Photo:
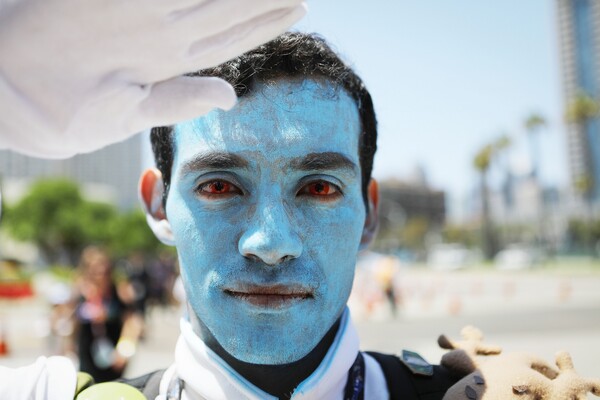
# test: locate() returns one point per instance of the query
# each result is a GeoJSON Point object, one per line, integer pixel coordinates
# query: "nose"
{"type": "Point", "coordinates": [270, 237]}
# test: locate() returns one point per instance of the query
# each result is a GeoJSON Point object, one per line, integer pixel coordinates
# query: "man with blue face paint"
{"type": "Point", "coordinates": [268, 205]}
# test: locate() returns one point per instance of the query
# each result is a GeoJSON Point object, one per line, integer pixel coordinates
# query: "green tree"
{"type": "Point", "coordinates": [463, 234]}
{"type": "Point", "coordinates": [129, 232]}
{"type": "Point", "coordinates": [48, 217]}
{"type": "Point", "coordinates": [583, 235]}
{"type": "Point", "coordinates": [413, 233]}
{"type": "Point", "coordinates": [55, 217]}
{"type": "Point", "coordinates": [583, 184]}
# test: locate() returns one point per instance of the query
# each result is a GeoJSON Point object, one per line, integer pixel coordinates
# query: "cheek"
{"type": "Point", "coordinates": [334, 232]}
{"type": "Point", "coordinates": [344, 242]}
{"type": "Point", "coordinates": [335, 239]}
{"type": "Point", "coordinates": [201, 237]}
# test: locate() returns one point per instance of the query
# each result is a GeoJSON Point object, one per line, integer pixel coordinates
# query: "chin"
{"type": "Point", "coordinates": [275, 344]}
{"type": "Point", "coordinates": [272, 353]}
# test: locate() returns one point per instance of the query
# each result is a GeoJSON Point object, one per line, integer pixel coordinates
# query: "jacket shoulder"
{"type": "Point", "coordinates": [410, 377]}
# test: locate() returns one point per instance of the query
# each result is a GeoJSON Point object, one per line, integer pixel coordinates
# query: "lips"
{"type": "Point", "coordinates": [273, 296]}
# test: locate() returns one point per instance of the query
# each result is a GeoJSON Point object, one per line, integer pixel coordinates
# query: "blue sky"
{"type": "Point", "coordinates": [448, 77]}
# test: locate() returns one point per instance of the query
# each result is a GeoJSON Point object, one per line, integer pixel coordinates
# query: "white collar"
{"type": "Point", "coordinates": [207, 376]}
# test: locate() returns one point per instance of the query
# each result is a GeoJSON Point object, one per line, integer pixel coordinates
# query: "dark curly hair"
{"type": "Point", "coordinates": [291, 55]}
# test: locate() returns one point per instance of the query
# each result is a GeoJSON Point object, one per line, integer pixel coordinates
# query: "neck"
{"type": "Point", "coordinates": [277, 380]}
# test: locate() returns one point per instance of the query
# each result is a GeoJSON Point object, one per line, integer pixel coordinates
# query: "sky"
{"type": "Point", "coordinates": [448, 77]}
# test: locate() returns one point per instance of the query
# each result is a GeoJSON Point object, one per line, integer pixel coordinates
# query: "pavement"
{"type": "Point", "coordinates": [539, 312]}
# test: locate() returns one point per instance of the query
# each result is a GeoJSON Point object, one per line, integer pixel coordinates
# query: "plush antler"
{"type": "Point", "coordinates": [568, 384]}
{"type": "Point", "coordinates": [472, 343]}
{"type": "Point", "coordinates": [462, 359]}
{"type": "Point", "coordinates": [511, 376]}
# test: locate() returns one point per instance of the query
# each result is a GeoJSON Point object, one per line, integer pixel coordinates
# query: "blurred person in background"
{"type": "Point", "coordinates": [386, 274]}
{"type": "Point", "coordinates": [108, 324]}
{"type": "Point", "coordinates": [162, 272]}
{"type": "Point", "coordinates": [376, 290]}
{"type": "Point", "coordinates": [135, 269]}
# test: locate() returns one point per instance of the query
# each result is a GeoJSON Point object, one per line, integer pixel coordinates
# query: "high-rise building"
{"type": "Point", "coordinates": [110, 174]}
{"type": "Point", "coordinates": [579, 34]}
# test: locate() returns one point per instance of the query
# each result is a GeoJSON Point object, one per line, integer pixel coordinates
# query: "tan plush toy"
{"type": "Point", "coordinates": [518, 376]}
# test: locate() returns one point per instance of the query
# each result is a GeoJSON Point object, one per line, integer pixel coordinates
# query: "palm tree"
{"type": "Point", "coordinates": [482, 163]}
{"type": "Point", "coordinates": [580, 111]}
{"type": "Point", "coordinates": [501, 147]}
{"type": "Point", "coordinates": [502, 143]}
{"type": "Point", "coordinates": [534, 124]}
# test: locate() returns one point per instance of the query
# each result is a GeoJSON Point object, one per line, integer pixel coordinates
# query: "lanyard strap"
{"type": "Point", "coordinates": [355, 385]}
{"type": "Point", "coordinates": [175, 388]}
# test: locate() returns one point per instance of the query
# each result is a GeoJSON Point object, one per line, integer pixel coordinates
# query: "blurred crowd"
{"type": "Point", "coordinates": [97, 317]}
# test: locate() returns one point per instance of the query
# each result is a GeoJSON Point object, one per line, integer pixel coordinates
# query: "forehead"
{"type": "Point", "coordinates": [280, 118]}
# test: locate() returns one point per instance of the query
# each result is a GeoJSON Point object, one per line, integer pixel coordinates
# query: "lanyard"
{"type": "Point", "coordinates": [175, 388]}
{"type": "Point", "coordinates": [355, 385]}
{"type": "Point", "coordinates": [354, 390]}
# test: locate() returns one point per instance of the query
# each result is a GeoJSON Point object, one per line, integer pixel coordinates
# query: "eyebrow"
{"type": "Point", "coordinates": [214, 160]}
{"type": "Point", "coordinates": [324, 161]}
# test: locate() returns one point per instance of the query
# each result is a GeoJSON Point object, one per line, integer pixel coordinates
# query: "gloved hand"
{"type": "Point", "coordinates": [78, 75]}
{"type": "Point", "coordinates": [51, 378]}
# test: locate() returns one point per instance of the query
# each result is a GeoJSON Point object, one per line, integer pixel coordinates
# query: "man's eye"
{"type": "Point", "coordinates": [320, 189]}
{"type": "Point", "coordinates": [216, 188]}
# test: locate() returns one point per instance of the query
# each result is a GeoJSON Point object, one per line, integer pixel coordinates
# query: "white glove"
{"type": "Point", "coordinates": [76, 75]}
{"type": "Point", "coordinates": [52, 378]}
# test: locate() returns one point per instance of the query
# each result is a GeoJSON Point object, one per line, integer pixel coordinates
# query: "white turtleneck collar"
{"type": "Point", "coordinates": [207, 376]}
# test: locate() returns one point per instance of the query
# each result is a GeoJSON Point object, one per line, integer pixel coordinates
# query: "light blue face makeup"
{"type": "Point", "coordinates": [268, 195]}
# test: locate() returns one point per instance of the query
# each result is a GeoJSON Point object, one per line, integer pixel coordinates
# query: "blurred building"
{"type": "Point", "coordinates": [110, 174]}
{"type": "Point", "coordinates": [579, 33]}
{"type": "Point", "coordinates": [403, 200]}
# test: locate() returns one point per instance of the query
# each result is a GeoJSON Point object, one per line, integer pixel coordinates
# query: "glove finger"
{"type": "Point", "coordinates": [181, 99]}
{"type": "Point", "coordinates": [176, 5]}
{"type": "Point", "coordinates": [219, 16]}
{"type": "Point", "coordinates": [241, 38]}
{"type": "Point", "coordinates": [188, 47]}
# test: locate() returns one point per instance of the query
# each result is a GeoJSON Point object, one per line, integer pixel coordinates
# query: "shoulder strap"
{"type": "Point", "coordinates": [147, 384]}
{"type": "Point", "coordinates": [404, 384]}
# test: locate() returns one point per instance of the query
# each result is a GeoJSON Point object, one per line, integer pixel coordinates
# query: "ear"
{"type": "Point", "coordinates": [150, 191]}
{"type": "Point", "coordinates": [372, 219]}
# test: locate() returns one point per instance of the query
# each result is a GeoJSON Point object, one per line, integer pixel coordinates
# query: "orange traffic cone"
{"type": "Point", "coordinates": [3, 341]}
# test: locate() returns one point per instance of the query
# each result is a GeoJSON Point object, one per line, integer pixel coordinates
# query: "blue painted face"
{"type": "Point", "coordinates": [267, 213]}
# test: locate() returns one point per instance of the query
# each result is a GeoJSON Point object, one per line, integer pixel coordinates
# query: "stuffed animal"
{"type": "Point", "coordinates": [518, 376]}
